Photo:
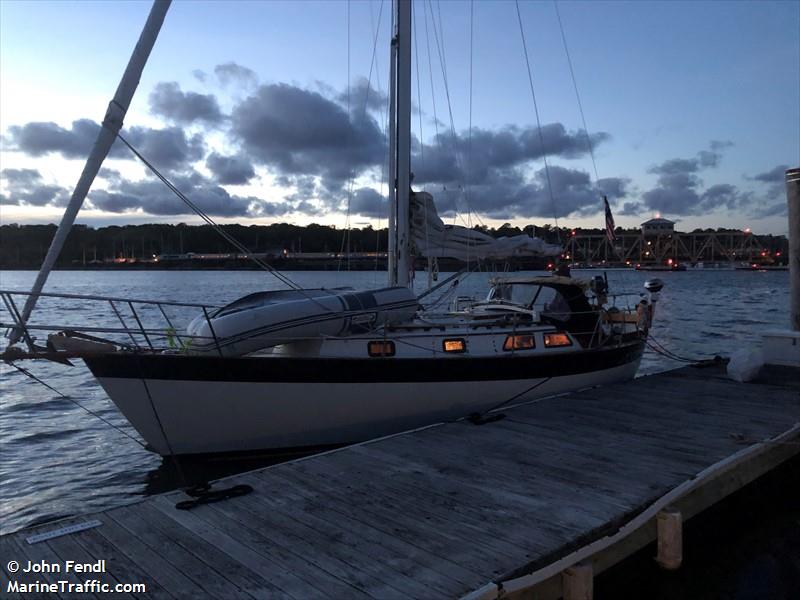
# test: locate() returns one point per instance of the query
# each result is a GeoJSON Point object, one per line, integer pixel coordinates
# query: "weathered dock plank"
{"type": "Point", "coordinates": [124, 570]}
{"type": "Point", "coordinates": [67, 548]}
{"type": "Point", "coordinates": [446, 510]}
{"type": "Point", "coordinates": [148, 559]}
{"type": "Point", "coordinates": [43, 553]}
{"type": "Point", "coordinates": [9, 550]}
{"type": "Point", "coordinates": [285, 568]}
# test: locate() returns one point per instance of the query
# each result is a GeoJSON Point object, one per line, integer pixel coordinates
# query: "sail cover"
{"type": "Point", "coordinates": [432, 238]}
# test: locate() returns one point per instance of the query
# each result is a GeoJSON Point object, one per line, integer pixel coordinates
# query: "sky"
{"type": "Point", "coordinates": [267, 111]}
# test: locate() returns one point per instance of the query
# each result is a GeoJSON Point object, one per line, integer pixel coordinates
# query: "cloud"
{"type": "Point", "coordinates": [168, 101]}
{"type": "Point", "coordinates": [26, 187]}
{"type": "Point", "coordinates": [470, 159]}
{"type": "Point", "coordinates": [368, 203]}
{"type": "Point", "coordinates": [614, 187]}
{"type": "Point", "coordinates": [676, 166]}
{"type": "Point", "coordinates": [704, 159]}
{"type": "Point", "coordinates": [774, 180]}
{"type": "Point", "coordinates": [152, 197]}
{"type": "Point", "coordinates": [363, 95]}
{"type": "Point", "coordinates": [110, 175]}
{"type": "Point", "coordinates": [234, 170]}
{"type": "Point", "coordinates": [508, 194]}
{"type": "Point", "coordinates": [493, 167]}
{"type": "Point", "coordinates": [777, 209]}
{"type": "Point", "coordinates": [679, 189]}
{"type": "Point", "coordinates": [40, 138]}
{"type": "Point", "coordinates": [313, 146]}
{"type": "Point", "coordinates": [631, 209]}
{"type": "Point", "coordinates": [774, 191]}
{"type": "Point", "coordinates": [21, 177]}
{"type": "Point", "coordinates": [573, 193]}
{"type": "Point", "coordinates": [233, 73]}
{"type": "Point", "coordinates": [675, 194]}
{"type": "Point", "coordinates": [774, 175]}
{"type": "Point", "coordinates": [167, 148]}
{"type": "Point", "coordinates": [298, 132]}
{"type": "Point", "coordinates": [722, 195]}
{"type": "Point", "coordinates": [719, 145]}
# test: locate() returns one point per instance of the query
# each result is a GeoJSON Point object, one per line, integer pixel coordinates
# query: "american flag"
{"type": "Point", "coordinates": [612, 238]}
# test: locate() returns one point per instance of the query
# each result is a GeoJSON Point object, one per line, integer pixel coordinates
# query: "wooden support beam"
{"type": "Point", "coordinates": [578, 581]}
{"type": "Point", "coordinates": [670, 539]}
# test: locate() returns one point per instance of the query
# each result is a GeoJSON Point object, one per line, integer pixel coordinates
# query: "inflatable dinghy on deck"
{"type": "Point", "coordinates": [266, 319]}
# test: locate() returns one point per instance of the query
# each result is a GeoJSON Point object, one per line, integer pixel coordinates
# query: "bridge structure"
{"type": "Point", "coordinates": [663, 245]}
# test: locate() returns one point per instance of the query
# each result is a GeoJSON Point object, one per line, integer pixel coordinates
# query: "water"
{"type": "Point", "coordinates": [57, 460]}
{"type": "Point", "coordinates": [746, 547]}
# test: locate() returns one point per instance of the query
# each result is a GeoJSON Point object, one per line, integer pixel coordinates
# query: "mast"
{"type": "Point", "coordinates": [105, 138]}
{"type": "Point", "coordinates": [392, 259]}
{"type": "Point", "coordinates": [400, 147]}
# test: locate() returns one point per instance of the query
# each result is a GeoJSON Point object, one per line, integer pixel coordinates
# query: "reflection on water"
{"type": "Point", "coordinates": [57, 460]}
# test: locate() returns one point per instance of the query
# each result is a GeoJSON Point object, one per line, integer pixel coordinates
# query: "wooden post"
{"type": "Point", "coordinates": [670, 539]}
{"type": "Point", "coordinates": [793, 200]}
{"type": "Point", "coordinates": [578, 581]}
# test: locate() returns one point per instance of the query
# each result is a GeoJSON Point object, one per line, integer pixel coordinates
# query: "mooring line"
{"type": "Point", "coordinates": [27, 373]}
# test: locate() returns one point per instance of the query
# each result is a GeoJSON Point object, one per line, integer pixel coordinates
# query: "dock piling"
{"type": "Point", "coordinates": [783, 347]}
{"type": "Point", "coordinates": [670, 539]}
{"type": "Point", "coordinates": [793, 201]}
{"type": "Point", "coordinates": [578, 581]}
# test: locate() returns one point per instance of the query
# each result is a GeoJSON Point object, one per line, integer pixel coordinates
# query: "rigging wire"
{"type": "Point", "coordinates": [577, 95]}
{"type": "Point", "coordinates": [346, 232]}
{"type": "Point", "coordinates": [443, 66]}
{"type": "Point", "coordinates": [538, 120]}
{"type": "Point", "coordinates": [421, 135]}
{"type": "Point", "coordinates": [419, 90]}
{"type": "Point", "coordinates": [228, 237]}
{"type": "Point", "coordinates": [430, 73]}
{"type": "Point", "coordinates": [384, 162]}
{"type": "Point", "coordinates": [438, 32]}
{"type": "Point", "coordinates": [373, 65]}
{"type": "Point", "coordinates": [468, 173]}
{"type": "Point", "coordinates": [98, 416]}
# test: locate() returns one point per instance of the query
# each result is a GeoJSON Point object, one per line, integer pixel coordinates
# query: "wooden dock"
{"type": "Point", "coordinates": [559, 487]}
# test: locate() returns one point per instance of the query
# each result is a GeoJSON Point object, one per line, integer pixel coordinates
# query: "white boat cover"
{"type": "Point", "coordinates": [432, 238]}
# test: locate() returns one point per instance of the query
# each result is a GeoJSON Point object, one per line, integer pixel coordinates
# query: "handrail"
{"type": "Point", "coordinates": [114, 330]}
{"type": "Point", "coordinates": [108, 299]}
{"type": "Point", "coordinates": [136, 332]}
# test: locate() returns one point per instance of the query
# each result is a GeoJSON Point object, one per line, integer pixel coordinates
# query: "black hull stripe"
{"type": "Point", "coordinates": [359, 370]}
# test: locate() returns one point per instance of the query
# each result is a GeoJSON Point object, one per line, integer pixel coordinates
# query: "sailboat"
{"type": "Point", "coordinates": [301, 368]}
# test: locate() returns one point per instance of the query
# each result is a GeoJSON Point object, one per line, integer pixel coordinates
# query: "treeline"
{"type": "Point", "coordinates": [24, 246]}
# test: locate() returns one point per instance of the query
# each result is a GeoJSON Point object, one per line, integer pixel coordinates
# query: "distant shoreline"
{"type": "Point", "coordinates": [358, 268]}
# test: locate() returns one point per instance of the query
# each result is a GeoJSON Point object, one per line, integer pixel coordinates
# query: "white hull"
{"type": "Point", "coordinates": [211, 417]}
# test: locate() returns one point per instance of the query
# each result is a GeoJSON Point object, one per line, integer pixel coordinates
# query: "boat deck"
{"type": "Point", "coordinates": [452, 509]}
